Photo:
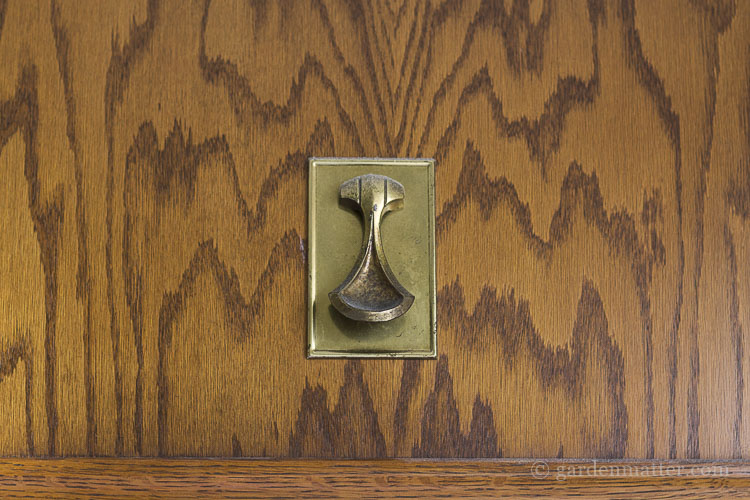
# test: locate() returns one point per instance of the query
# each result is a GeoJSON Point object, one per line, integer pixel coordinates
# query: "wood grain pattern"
{"type": "Point", "coordinates": [593, 227]}
{"type": "Point", "coordinates": [179, 478]}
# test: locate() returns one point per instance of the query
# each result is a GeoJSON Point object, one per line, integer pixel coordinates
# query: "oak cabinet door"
{"type": "Point", "coordinates": [592, 197]}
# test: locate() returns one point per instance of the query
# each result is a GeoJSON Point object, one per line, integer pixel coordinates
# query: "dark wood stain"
{"type": "Point", "coordinates": [350, 430]}
{"type": "Point", "coordinates": [738, 341]}
{"type": "Point", "coordinates": [409, 379]}
{"type": "Point", "coordinates": [21, 113]}
{"type": "Point", "coordinates": [738, 191]}
{"type": "Point", "coordinates": [9, 359]}
{"type": "Point", "coordinates": [3, 7]}
{"type": "Point", "coordinates": [236, 447]}
{"type": "Point", "coordinates": [247, 106]}
{"type": "Point", "coordinates": [83, 281]}
{"type": "Point", "coordinates": [118, 74]}
{"type": "Point", "coordinates": [175, 165]}
{"type": "Point", "coordinates": [542, 135]}
{"type": "Point", "coordinates": [655, 86]}
{"type": "Point", "coordinates": [505, 324]}
{"type": "Point", "coordinates": [441, 434]}
{"type": "Point", "coordinates": [240, 313]}
{"type": "Point", "coordinates": [578, 189]}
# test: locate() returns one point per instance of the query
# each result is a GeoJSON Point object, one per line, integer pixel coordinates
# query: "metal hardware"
{"type": "Point", "coordinates": [361, 304]}
{"type": "Point", "coordinates": [371, 292]}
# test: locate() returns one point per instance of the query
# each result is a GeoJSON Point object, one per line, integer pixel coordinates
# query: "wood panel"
{"type": "Point", "coordinates": [593, 227]}
{"type": "Point", "coordinates": [177, 478]}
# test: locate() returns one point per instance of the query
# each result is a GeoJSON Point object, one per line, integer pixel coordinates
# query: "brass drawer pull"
{"type": "Point", "coordinates": [371, 292]}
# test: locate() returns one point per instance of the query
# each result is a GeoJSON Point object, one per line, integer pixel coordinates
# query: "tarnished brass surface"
{"type": "Point", "coordinates": [371, 292]}
{"type": "Point", "coordinates": [360, 303]}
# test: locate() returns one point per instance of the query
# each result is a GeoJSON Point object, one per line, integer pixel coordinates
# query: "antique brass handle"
{"type": "Point", "coordinates": [371, 292]}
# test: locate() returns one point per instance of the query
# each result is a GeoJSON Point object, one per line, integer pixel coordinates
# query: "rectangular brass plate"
{"type": "Point", "coordinates": [334, 239]}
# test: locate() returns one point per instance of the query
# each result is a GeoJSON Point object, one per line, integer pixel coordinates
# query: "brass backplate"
{"type": "Point", "coordinates": [335, 235]}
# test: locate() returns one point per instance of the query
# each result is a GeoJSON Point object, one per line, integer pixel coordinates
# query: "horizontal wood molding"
{"type": "Point", "coordinates": [180, 478]}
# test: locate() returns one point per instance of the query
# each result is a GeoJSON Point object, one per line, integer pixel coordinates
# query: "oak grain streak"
{"type": "Point", "coordinates": [593, 226]}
